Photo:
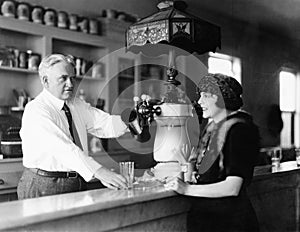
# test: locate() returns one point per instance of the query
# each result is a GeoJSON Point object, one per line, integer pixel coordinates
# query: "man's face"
{"type": "Point", "coordinates": [60, 80]}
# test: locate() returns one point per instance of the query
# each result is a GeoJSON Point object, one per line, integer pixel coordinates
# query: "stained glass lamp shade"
{"type": "Point", "coordinates": [172, 25]}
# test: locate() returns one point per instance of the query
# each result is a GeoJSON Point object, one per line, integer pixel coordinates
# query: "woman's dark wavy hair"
{"type": "Point", "coordinates": [227, 89]}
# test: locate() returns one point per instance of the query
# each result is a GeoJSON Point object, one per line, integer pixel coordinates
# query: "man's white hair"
{"type": "Point", "coordinates": [53, 59]}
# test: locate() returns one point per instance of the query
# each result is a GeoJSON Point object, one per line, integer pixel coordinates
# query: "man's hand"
{"type": "Point", "coordinates": [110, 179]}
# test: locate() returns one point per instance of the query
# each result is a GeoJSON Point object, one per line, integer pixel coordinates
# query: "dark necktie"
{"type": "Point", "coordinates": [72, 126]}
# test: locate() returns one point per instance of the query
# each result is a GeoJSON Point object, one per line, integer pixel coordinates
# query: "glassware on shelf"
{"type": "Point", "coordinates": [16, 57]}
{"type": "Point", "coordinates": [78, 63]}
{"type": "Point", "coordinates": [50, 17]}
{"type": "Point", "coordinates": [37, 14]}
{"type": "Point", "coordinates": [34, 60]}
{"type": "Point", "coordinates": [297, 154]}
{"type": "Point", "coordinates": [83, 25]}
{"type": "Point", "coordinates": [62, 19]}
{"type": "Point", "coordinates": [23, 11]}
{"type": "Point", "coordinates": [23, 57]}
{"type": "Point", "coordinates": [97, 70]}
{"type": "Point", "coordinates": [73, 22]}
{"type": "Point", "coordinates": [93, 25]}
{"type": "Point", "coordinates": [8, 8]}
{"type": "Point", "coordinates": [7, 56]}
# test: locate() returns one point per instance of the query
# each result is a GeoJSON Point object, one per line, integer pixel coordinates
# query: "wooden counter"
{"type": "Point", "coordinates": [275, 197]}
{"type": "Point", "coordinates": [10, 173]}
{"type": "Point", "coordinates": [151, 209]}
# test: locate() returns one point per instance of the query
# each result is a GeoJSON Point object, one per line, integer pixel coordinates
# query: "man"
{"type": "Point", "coordinates": [54, 136]}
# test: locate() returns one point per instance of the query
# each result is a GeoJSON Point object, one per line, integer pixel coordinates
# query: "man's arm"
{"type": "Point", "coordinates": [42, 139]}
{"type": "Point", "coordinates": [102, 124]}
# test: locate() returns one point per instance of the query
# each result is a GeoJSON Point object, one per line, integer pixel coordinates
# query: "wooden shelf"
{"type": "Point", "coordinates": [44, 40]}
{"type": "Point", "coordinates": [36, 29]}
{"type": "Point", "coordinates": [14, 69]}
{"type": "Point", "coordinates": [22, 70]}
{"type": "Point", "coordinates": [90, 78]}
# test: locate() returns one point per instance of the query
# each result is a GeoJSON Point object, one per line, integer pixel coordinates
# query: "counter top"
{"type": "Point", "coordinates": [11, 160]}
{"type": "Point", "coordinates": [266, 170]}
{"type": "Point", "coordinates": [30, 211]}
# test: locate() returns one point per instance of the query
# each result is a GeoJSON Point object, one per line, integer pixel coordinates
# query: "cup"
{"type": "Point", "coordinates": [97, 70]}
{"type": "Point", "coordinates": [37, 14]}
{"type": "Point", "coordinates": [21, 102]}
{"type": "Point", "coordinates": [111, 14]}
{"type": "Point", "coordinates": [23, 59]}
{"type": "Point", "coordinates": [187, 169]}
{"type": "Point", "coordinates": [78, 64]}
{"type": "Point", "coordinates": [23, 11]}
{"type": "Point", "coordinates": [276, 155]}
{"type": "Point", "coordinates": [73, 22]}
{"type": "Point", "coordinates": [34, 61]}
{"type": "Point", "coordinates": [297, 153]}
{"type": "Point", "coordinates": [8, 8]}
{"type": "Point", "coordinates": [127, 170]}
{"type": "Point", "coordinates": [83, 24]}
{"type": "Point", "coordinates": [62, 19]}
{"type": "Point", "coordinates": [93, 25]}
{"type": "Point", "coordinates": [50, 17]}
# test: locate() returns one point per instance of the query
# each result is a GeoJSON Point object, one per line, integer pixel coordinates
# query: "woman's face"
{"type": "Point", "coordinates": [207, 101]}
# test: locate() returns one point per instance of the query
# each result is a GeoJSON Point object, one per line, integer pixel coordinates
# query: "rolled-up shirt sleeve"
{"type": "Point", "coordinates": [102, 124]}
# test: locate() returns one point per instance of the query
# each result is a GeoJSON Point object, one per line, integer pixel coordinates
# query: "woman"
{"type": "Point", "coordinates": [226, 156]}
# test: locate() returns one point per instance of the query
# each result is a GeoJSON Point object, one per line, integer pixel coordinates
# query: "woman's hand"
{"type": "Point", "coordinates": [177, 185]}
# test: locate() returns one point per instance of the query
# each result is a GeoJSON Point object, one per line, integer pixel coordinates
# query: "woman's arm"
{"type": "Point", "coordinates": [229, 187]}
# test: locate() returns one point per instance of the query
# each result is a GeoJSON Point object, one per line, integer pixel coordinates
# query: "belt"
{"type": "Point", "coordinates": [41, 172]}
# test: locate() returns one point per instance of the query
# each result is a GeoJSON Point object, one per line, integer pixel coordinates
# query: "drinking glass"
{"type": "Point", "coordinates": [127, 170]}
{"type": "Point", "coordinates": [297, 153]}
{"type": "Point", "coordinates": [187, 169]}
{"type": "Point", "coordinates": [276, 155]}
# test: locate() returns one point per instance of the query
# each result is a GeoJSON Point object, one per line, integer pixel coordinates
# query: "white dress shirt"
{"type": "Point", "coordinates": [46, 140]}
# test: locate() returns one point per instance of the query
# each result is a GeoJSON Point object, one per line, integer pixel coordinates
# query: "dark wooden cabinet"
{"type": "Point", "coordinates": [8, 195]}
{"type": "Point", "coordinates": [275, 197]}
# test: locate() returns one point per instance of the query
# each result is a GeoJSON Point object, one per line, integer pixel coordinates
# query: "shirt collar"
{"type": "Point", "coordinates": [57, 103]}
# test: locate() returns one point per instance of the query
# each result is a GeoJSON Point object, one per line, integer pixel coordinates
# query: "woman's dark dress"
{"type": "Point", "coordinates": [240, 150]}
